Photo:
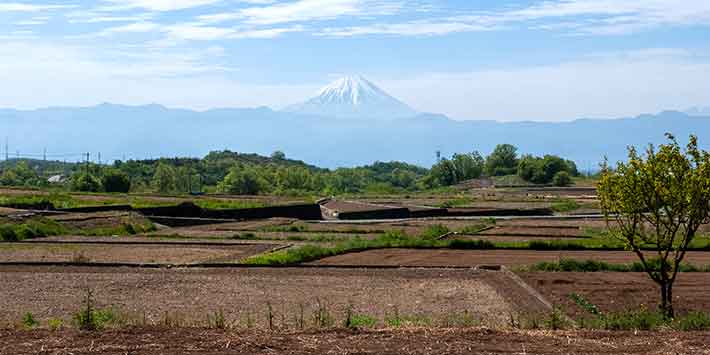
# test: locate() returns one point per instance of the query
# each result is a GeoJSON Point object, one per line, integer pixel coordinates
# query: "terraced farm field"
{"type": "Point", "coordinates": [286, 284]}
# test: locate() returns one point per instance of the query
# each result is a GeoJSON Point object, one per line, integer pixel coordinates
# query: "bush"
{"type": "Point", "coordinates": [562, 179]}
{"type": "Point", "coordinates": [85, 182]}
{"type": "Point", "coordinates": [115, 180]}
{"type": "Point", "coordinates": [7, 233]}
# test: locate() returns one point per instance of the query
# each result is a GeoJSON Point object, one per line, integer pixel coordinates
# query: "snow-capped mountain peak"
{"type": "Point", "coordinates": [350, 89]}
{"type": "Point", "coordinates": [353, 97]}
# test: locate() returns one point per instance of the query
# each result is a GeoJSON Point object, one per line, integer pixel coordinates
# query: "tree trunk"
{"type": "Point", "coordinates": [667, 300]}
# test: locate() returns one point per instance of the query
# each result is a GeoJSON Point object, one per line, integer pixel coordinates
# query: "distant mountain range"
{"type": "Point", "coordinates": [351, 122]}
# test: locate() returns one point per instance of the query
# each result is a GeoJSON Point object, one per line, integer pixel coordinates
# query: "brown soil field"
{"type": "Point", "coordinates": [416, 341]}
{"type": "Point", "coordinates": [511, 237]}
{"type": "Point", "coordinates": [619, 291]}
{"type": "Point", "coordinates": [449, 257]}
{"type": "Point", "coordinates": [128, 253]}
{"type": "Point", "coordinates": [535, 231]}
{"type": "Point", "coordinates": [246, 293]}
{"type": "Point", "coordinates": [109, 219]}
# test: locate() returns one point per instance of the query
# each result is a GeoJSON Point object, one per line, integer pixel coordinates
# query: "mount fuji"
{"type": "Point", "coordinates": [353, 97]}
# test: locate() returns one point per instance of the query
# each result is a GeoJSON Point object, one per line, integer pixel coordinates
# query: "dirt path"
{"type": "Point", "coordinates": [386, 342]}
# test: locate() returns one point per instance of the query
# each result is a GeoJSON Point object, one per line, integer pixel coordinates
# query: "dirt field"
{"type": "Point", "coordinates": [246, 293]}
{"type": "Point", "coordinates": [151, 341]}
{"type": "Point", "coordinates": [619, 291]}
{"type": "Point", "coordinates": [449, 257]}
{"type": "Point", "coordinates": [139, 253]}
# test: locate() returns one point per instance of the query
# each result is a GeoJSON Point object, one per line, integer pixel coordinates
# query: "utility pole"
{"type": "Point", "coordinates": [87, 163]}
{"type": "Point", "coordinates": [99, 158]}
{"type": "Point", "coordinates": [44, 155]}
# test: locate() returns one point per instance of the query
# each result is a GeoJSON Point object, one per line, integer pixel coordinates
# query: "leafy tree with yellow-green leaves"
{"type": "Point", "coordinates": [657, 202]}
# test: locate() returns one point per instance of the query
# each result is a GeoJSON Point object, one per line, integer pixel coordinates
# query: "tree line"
{"type": "Point", "coordinates": [238, 173]}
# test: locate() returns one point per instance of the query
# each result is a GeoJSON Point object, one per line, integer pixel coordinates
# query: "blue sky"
{"type": "Point", "coordinates": [503, 60]}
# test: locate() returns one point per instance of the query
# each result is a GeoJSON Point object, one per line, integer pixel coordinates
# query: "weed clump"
{"type": "Point", "coordinates": [29, 321]}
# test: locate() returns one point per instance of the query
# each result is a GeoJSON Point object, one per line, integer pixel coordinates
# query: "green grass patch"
{"type": "Point", "coordinates": [224, 204]}
{"type": "Point", "coordinates": [572, 265]}
{"type": "Point", "coordinates": [37, 227]}
{"type": "Point", "coordinates": [434, 231]}
{"type": "Point", "coordinates": [456, 202]}
{"type": "Point", "coordinates": [126, 228]}
{"type": "Point", "coordinates": [295, 228]}
{"type": "Point", "coordinates": [565, 206]}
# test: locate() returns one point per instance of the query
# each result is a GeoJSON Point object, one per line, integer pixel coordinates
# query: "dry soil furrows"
{"type": "Point", "coordinates": [194, 293]}
{"type": "Point", "coordinates": [619, 291]}
{"type": "Point", "coordinates": [451, 257]}
{"type": "Point", "coordinates": [167, 253]}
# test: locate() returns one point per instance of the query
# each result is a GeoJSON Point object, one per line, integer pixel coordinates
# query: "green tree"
{"type": "Point", "coordinates": [278, 155]}
{"type": "Point", "coordinates": [86, 182]}
{"type": "Point", "coordinates": [184, 179]}
{"type": "Point", "coordinates": [9, 178]}
{"type": "Point", "coordinates": [164, 178]}
{"type": "Point", "coordinates": [503, 160]}
{"type": "Point", "coordinates": [543, 170]}
{"type": "Point", "coordinates": [241, 181]}
{"type": "Point", "coordinates": [114, 180]}
{"type": "Point", "coordinates": [468, 166]}
{"type": "Point", "coordinates": [658, 202]}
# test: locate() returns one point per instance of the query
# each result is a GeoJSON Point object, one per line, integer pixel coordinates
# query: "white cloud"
{"type": "Point", "coordinates": [197, 32]}
{"type": "Point", "coordinates": [21, 7]}
{"type": "Point", "coordinates": [156, 5]}
{"type": "Point", "coordinates": [415, 28]}
{"type": "Point", "coordinates": [99, 17]}
{"type": "Point", "coordinates": [307, 10]}
{"type": "Point", "coordinates": [608, 85]}
{"type": "Point", "coordinates": [38, 74]}
{"type": "Point", "coordinates": [619, 16]}
{"type": "Point", "coordinates": [137, 27]}
{"type": "Point", "coordinates": [586, 17]}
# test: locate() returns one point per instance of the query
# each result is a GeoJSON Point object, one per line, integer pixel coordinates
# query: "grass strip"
{"type": "Point", "coordinates": [573, 265]}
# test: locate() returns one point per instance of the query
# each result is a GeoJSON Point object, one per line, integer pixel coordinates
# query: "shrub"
{"type": "Point", "coordinates": [115, 180]}
{"type": "Point", "coordinates": [85, 182]}
{"type": "Point", "coordinates": [562, 178]}
{"type": "Point", "coordinates": [91, 319]}
{"type": "Point", "coordinates": [7, 233]}
{"type": "Point", "coordinates": [557, 320]}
